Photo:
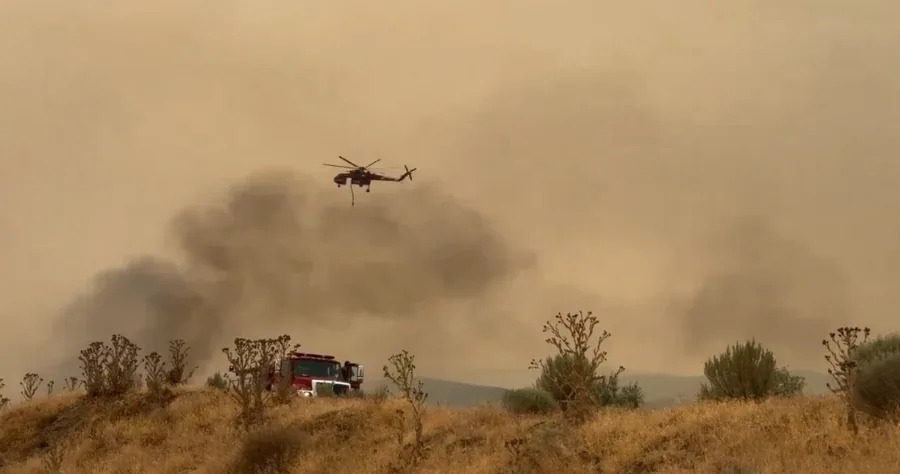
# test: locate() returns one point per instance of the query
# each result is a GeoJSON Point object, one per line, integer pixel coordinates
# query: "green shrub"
{"type": "Point", "coordinates": [879, 348]}
{"type": "Point", "coordinates": [747, 371]}
{"type": "Point", "coordinates": [611, 394]}
{"type": "Point", "coordinates": [788, 384]}
{"type": "Point", "coordinates": [529, 400]}
{"type": "Point", "coordinates": [217, 381]}
{"type": "Point", "coordinates": [876, 389]}
{"type": "Point", "coordinates": [561, 374]}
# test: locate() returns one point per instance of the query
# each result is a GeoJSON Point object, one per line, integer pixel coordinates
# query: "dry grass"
{"type": "Point", "coordinates": [196, 433]}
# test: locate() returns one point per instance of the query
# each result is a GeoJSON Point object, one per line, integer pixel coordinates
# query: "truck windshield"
{"type": "Point", "coordinates": [316, 368]}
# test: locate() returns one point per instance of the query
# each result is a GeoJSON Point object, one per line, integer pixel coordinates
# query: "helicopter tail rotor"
{"type": "Point", "coordinates": [408, 173]}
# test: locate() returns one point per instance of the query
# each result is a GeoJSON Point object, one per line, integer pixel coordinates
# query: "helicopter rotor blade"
{"type": "Point", "coordinates": [339, 166]}
{"type": "Point", "coordinates": [372, 163]}
{"type": "Point", "coordinates": [348, 161]}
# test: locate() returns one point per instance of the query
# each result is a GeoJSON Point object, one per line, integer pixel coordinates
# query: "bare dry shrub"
{"type": "Point", "coordinates": [178, 374]}
{"type": "Point", "coordinates": [121, 372]}
{"type": "Point", "coordinates": [252, 363]}
{"type": "Point", "coordinates": [93, 362]}
{"type": "Point", "coordinates": [841, 358]}
{"type": "Point", "coordinates": [30, 385]}
{"type": "Point", "coordinates": [110, 370]}
{"type": "Point", "coordinates": [244, 359]}
{"type": "Point", "coordinates": [50, 385]}
{"type": "Point", "coordinates": [156, 378]}
{"type": "Point", "coordinates": [401, 373]}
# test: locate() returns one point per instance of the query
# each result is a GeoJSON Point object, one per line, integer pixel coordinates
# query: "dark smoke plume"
{"type": "Point", "coordinates": [765, 286]}
{"type": "Point", "coordinates": [279, 250]}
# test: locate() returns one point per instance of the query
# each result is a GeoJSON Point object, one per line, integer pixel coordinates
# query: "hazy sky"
{"type": "Point", "coordinates": [694, 173]}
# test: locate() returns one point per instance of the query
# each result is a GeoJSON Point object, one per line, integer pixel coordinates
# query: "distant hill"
{"type": "Point", "coordinates": [660, 390]}
{"type": "Point", "coordinates": [449, 393]}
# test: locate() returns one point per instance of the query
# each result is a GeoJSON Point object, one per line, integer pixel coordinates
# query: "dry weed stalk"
{"type": "Point", "coordinates": [3, 400]}
{"type": "Point", "coordinates": [403, 377]}
{"type": "Point", "coordinates": [178, 374]}
{"type": "Point", "coordinates": [282, 348]}
{"type": "Point", "coordinates": [844, 367]}
{"type": "Point", "coordinates": [572, 336]}
{"type": "Point", "coordinates": [71, 383]}
{"type": "Point", "coordinates": [51, 461]}
{"type": "Point", "coordinates": [30, 385]}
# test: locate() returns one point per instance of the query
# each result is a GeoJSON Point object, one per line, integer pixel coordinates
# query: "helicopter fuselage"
{"type": "Point", "coordinates": [362, 177]}
{"type": "Point", "coordinates": [342, 179]}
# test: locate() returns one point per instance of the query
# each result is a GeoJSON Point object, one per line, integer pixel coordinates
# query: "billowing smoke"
{"type": "Point", "coordinates": [608, 140]}
{"type": "Point", "coordinates": [760, 284]}
{"type": "Point", "coordinates": [276, 252]}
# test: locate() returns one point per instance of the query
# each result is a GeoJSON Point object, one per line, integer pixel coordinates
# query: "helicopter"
{"type": "Point", "coordinates": [361, 176]}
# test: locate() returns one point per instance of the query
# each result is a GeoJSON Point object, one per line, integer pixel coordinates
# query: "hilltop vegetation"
{"type": "Point", "coordinates": [128, 413]}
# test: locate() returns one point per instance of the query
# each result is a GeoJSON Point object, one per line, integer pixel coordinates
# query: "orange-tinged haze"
{"type": "Point", "coordinates": [695, 174]}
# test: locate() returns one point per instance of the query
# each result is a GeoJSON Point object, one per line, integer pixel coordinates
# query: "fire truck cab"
{"type": "Point", "coordinates": [311, 373]}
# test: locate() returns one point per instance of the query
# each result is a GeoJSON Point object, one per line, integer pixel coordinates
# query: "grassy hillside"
{"type": "Point", "coordinates": [196, 433]}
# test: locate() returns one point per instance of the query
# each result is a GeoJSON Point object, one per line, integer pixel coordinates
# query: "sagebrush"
{"type": "Point", "coordinates": [747, 371]}
{"type": "Point", "coordinates": [529, 400]}
{"type": "Point", "coordinates": [876, 390]}
{"type": "Point", "coordinates": [573, 375]}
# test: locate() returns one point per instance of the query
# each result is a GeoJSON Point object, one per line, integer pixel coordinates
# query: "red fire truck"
{"type": "Point", "coordinates": [309, 372]}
